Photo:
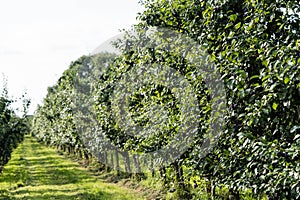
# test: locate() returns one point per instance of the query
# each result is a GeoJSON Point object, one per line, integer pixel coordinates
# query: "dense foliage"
{"type": "Point", "coordinates": [54, 121]}
{"type": "Point", "coordinates": [254, 46]}
{"type": "Point", "coordinates": [67, 119]}
{"type": "Point", "coordinates": [12, 127]}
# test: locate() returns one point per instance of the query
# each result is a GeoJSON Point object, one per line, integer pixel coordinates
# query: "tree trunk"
{"type": "Point", "coordinates": [163, 174]}
{"type": "Point", "coordinates": [112, 160]}
{"type": "Point", "coordinates": [212, 190]}
{"type": "Point", "coordinates": [126, 162]}
{"type": "Point", "coordinates": [117, 161]}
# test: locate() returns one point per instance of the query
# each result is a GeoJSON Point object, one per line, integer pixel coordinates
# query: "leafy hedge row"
{"type": "Point", "coordinates": [12, 128]}
{"type": "Point", "coordinates": [53, 122]}
{"type": "Point", "coordinates": [67, 115]}
{"type": "Point", "coordinates": [254, 45]}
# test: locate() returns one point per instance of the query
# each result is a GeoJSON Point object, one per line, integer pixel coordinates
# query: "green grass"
{"type": "Point", "coordinates": [37, 172]}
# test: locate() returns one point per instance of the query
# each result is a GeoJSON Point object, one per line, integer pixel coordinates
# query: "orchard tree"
{"type": "Point", "coordinates": [12, 127]}
{"type": "Point", "coordinates": [255, 46]}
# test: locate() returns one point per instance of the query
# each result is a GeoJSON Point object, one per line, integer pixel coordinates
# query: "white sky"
{"type": "Point", "coordinates": [40, 38]}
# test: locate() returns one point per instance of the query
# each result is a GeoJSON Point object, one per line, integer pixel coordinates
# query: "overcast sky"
{"type": "Point", "coordinates": [40, 38]}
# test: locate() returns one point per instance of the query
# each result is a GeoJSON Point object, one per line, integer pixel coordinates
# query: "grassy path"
{"type": "Point", "coordinates": [37, 172]}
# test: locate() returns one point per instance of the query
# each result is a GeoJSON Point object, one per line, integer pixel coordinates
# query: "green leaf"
{"type": "Point", "coordinates": [274, 106]}
{"type": "Point", "coordinates": [233, 17]}
{"type": "Point", "coordinates": [265, 63]}
{"type": "Point", "coordinates": [238, 25]}
{"type": "Point", "coordinates": [254, 77]}
{"type": "Point", "coordinates": [286, 80]}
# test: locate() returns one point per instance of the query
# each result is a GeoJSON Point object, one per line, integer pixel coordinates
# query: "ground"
{"type": "Point", "coordinates": [37, 172]}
